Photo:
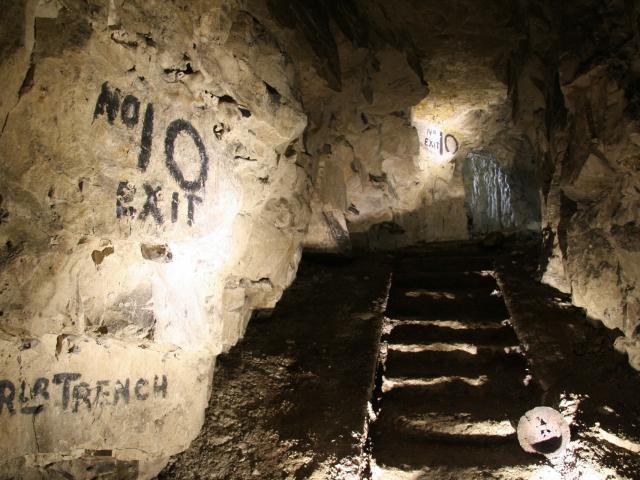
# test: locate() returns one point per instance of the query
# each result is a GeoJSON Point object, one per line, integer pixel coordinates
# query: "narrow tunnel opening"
{"type": "Point", "coordinates": [498, 201]}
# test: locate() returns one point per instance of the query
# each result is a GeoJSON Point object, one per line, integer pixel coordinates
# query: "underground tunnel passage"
{"type": "Point", "coordinates": [333, 239]}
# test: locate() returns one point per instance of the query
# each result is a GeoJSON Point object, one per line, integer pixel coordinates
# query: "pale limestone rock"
{"type": "Point", "coordinates": [61, 394]}
{"type": "Point", "coordinates": [153, 195]}
{"type": "Point", "coordinates": [359, 133]}
{"type": "Point", "coordinates": [582, 117]}
{"type": "Point", "coordinates": [601, 256]}
{"type": "Point", "coordinates": [594, 178]}
{"type": "Point", "coordinates": [631, 348]}
{"type": "Point", "coordinates": [554, 273]}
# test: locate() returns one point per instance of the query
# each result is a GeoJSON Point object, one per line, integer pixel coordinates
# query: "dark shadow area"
{"type": "Point", "coordinates": [574, 359]}
{"type": "Point", "coordinates": [293, 393]}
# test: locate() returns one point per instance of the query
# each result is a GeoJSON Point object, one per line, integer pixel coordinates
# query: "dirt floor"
{"type": "Point", "coordinates": [290, 401]}
{"type": "Point", "coordinates": [294, 398]}
{"type": "Point", "coordinates": [573, 359]}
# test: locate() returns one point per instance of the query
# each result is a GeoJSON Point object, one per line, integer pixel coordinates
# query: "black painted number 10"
{"type": "Point", "coordinates": [109, 104]}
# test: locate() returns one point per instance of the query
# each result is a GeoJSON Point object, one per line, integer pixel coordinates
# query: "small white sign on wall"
{"type": "Point", "coordinates": [436, 141]}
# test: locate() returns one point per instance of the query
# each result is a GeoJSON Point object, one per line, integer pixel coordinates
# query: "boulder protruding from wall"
{"type": "Point", "coordinates": [154, 192]}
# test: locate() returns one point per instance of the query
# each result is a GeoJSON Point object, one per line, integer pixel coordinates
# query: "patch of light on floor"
{"type": "Point", "coordinates": [391, 383]}
{"type": "Point", "coordinates": [573, 466]}
{"type": "Point", "coordinates": [466, 325]}
{"type": "Point", "coordinates": [513, 349]}
{"type": "Point", "coordinates": [546, 473]}
{"type": "Point", "coordinates": [435, 347]}
{"type": "Point", "coordinates": [616, 440]}
{"type": "Point", "coordinates": [578, 461]}
{"type": "Point", "coordinates": [351, 467]}
{"type": "Point", "coordinates": [458, 424]}
{"type": "Point", "coordinates": [436, 295]}
{"type": "Point", "coordinates": [453, 324]}
{"type": "Point", "coordinates": [569, 403]}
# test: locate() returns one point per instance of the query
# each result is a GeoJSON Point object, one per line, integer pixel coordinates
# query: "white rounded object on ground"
{"type": "Point", "coordinates": [543, 430]}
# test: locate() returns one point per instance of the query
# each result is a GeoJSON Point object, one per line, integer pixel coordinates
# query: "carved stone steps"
{"type": "Point", "coordinates": [501, 336]}
{"type": "Point", "coordinates": [455, 382]}
{"type": "Point", "coordinates": [428, 364]}
{"type": "Point", "coordinates": [471, 263]}
{"type": "Point", "coordinates": [500, 399]}
{"type": "Point", "coordinates": [448, 281]}
{"type": "Point", "coordinates": [409, 453]}
{"type": "Point", "coordinates": [443, 308]}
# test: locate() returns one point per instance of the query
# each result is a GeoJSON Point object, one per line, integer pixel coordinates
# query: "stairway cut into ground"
{"type": "Point", "coordinates": [455, 379]}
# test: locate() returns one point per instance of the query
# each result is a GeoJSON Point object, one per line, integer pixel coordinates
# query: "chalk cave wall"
{"type": "Point", "coordinates": [375, 185]}
{"type": "Point", "coordinates": [154, 192]}
{"type": "Point", "coordinates": [359, 77]}
{"type": "Point", "coordinates": [162, 166]}
{"type": "Point", "coordinates": [574, 87]}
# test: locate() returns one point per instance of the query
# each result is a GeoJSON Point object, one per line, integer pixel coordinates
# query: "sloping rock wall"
{"type": "Point", "coordinates": [574, 90]}
{"type": "Point", "coordinates": [366, 177]}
